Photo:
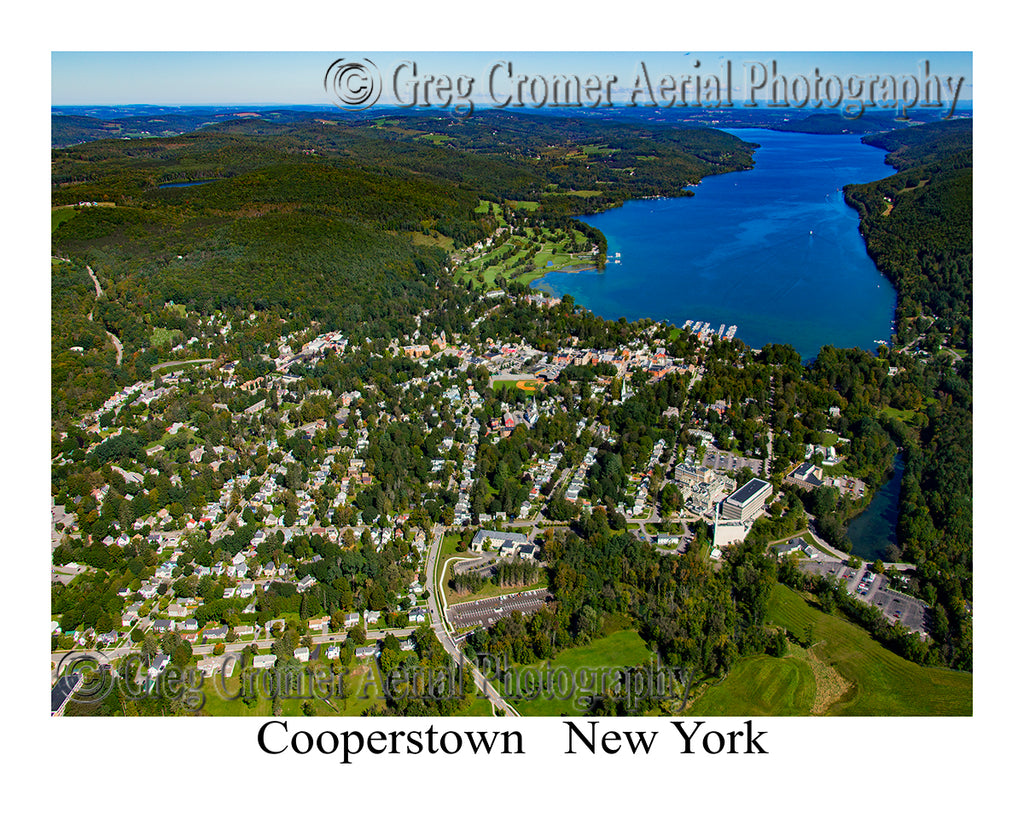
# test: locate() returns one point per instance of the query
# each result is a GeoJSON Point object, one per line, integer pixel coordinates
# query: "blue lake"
{"type": "Point", "coordinates": [185, 184]}
{"type": "Point", "coordinates": [775, 251]}
{"type": "Point", "coordinates": [874, 529]}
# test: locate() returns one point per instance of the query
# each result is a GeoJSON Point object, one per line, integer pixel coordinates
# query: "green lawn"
{"type": "Point", "coordinates": [879, 683]}
{"type": "Point", "coordinates": [622, 649]}
{"type": "Point", "coordinates": [162, 335]}
{"type": "Point", "coordinates": [436, 139]}
{"type": "Point", "coordinates": [180, 365]}
{"type": "Point", "coordinates": [760, 686]}
{"type": "Point", "coordinates": [884, 684]}
{"type": "Point", "coordinates": [808, 538]}
{"type": "Point", "coordinates": [478, 707]}
{"type": "Point", "coordinates": [489, 589]}
{"type": "Point", "coordinates": [430, 240]}
{"type": "Point", "coordinates": [906, 416]}
{"type": "Point", "coordinates": [58, 215]}
{"type": "Point", "coordinates": [449, 548]}
{"type": "Point", "coordinates": [365, 687]}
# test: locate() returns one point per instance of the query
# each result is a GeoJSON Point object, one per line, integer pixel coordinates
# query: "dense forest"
{"type": "Point", "coordinates": [918, 228]}
{"type": "Point", "coordinates": [917, 224]}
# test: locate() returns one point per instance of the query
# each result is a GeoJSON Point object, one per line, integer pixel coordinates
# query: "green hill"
{"type": "Point", "coordinates": [857, 675]}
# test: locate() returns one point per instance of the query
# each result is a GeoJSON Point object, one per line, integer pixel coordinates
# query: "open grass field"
{"type": "Point", "coordinates": [163, 335]}
{"type": "Point", "coordinates": [364, 681]}
{"type": "Point", "coordinates": [431, 240]}
{"type": "Point", "coordinates": [906, 416]}
{"type": "Point", "coordinates": [882, 682]}
{"type": "Point", "coordinates": [619, 650]}
{"type": "Point", "coordinates": [59, 215]}
{"type": "Point", "coordinates": [365, 688]}
{"type": "Point", "coordinates": [846, 672]}
{"type": "Point", "coordinates": [760, 686]}
{"type": "Point", "coordinates": [165, 365]}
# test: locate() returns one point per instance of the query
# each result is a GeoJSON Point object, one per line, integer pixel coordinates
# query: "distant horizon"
{"type": "Point", "coordinates": [968, 103]}
{"type": "Point", "coordinates": [207, 78]}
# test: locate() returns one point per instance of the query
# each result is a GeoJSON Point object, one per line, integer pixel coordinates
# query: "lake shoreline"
{"type": "Point", "coordinates": [775, 250]}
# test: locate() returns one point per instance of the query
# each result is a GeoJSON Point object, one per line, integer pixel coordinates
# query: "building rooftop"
{"type": "Point", "coordinates": [745, 493]}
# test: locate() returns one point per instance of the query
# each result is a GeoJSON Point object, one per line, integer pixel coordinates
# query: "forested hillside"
{"type": "Point", "coordinates": [918, 228]}
{"type": "Point", "coordinates": [917, 224]}
{"type": "Point", "coordinates": [348, 223]}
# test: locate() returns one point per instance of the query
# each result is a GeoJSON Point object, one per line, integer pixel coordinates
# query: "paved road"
{"type": "Point", "coordinates": [95, 281]}
{"type": "Point", "coordinates": [117, 346]}
{"type": "Point", "coordinates": [99, 292]}
{"type": "Point", "coordinates": [435, 603]}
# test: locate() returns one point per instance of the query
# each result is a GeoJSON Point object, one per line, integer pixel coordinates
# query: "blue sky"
{"type": "Point", "coordinates": [296, 78]}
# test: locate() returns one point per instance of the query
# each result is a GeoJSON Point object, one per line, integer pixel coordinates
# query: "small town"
{"type": "Point", "coordinates": [235, 500]}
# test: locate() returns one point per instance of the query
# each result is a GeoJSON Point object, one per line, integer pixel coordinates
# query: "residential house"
{"type": "Point", "coordinates": [213, 665]}
{"type": "Point", "coordinates": [159, 664]}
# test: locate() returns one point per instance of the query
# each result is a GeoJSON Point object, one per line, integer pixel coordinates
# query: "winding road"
{"type": "Point", "coordinates": [114, 339]}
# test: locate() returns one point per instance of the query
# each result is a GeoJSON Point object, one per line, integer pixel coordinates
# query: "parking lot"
{"type": "Point", "coordinates": [895, 605]}
{"type": "Point", "coordinates": [489, 611]}
{"type": "Point", "coordinates": [727, 462]}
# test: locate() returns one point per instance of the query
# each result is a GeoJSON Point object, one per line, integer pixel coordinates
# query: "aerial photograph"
{"type": "Point", "coordinates": [584, 385]}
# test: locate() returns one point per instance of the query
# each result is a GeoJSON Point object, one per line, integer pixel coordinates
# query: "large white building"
{"type": "Point", "coordinates": [747, 501]}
